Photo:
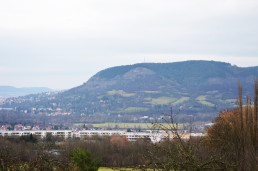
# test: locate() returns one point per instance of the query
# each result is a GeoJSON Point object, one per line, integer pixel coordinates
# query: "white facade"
{"type": "Point", "coordinates": [131, 136]}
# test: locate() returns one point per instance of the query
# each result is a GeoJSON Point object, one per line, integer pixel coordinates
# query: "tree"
{"type": "Point", "coordinates": [177, 153]}
{"type": "Point", "coordinates": [234, 134]}
{"type": "Point", "coordinates": [82, 159]}
{"type": "Point", "coordinates": [29, 138]}
{"type": "Point", "coordinates": [49, 137]}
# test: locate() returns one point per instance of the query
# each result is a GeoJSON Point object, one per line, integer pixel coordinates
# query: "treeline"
{"type": "Point", "coordinates": [235, 134]}
{"type": "Point", "coordinates": [33, 153]}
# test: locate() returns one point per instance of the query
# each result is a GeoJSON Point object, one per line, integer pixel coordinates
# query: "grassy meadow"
{"type": "Point", "coordinates": [124, 125]}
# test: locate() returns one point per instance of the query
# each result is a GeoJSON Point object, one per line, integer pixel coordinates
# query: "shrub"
{"type": "Point", "coordinates": [82, 159]}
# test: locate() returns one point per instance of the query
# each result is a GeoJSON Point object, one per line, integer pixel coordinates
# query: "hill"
{"type": "Point", "coordinates": [9, 91]}
{"type": "Point", "coordinates": [126, 93]}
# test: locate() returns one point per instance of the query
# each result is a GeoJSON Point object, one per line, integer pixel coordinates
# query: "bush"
{"type": "Point", "coordinates": [82, 159]}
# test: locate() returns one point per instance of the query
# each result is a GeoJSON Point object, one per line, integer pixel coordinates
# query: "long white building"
{"type": "Point", "coordinates": [131, 136]}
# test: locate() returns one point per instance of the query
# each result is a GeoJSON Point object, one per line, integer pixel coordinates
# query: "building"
{"type": "Point", "coordinates": [131, 136]}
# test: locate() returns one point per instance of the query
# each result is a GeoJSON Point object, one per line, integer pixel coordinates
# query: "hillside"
{"type": "Point", "coordinates": [196, 88]}
{"type": "Point", "coordinates": [9, 91]}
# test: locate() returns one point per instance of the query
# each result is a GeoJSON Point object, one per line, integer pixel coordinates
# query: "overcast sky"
{"type": "Point", "coordinates": [60, 44]}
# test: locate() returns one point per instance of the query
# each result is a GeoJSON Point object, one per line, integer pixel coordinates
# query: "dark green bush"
{"type": "Point", "coordinates": [82, 159]}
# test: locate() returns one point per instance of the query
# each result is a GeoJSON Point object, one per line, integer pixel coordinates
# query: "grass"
{"type": "Point", "coordinates": [114, 168]}
{"type": "Point", "coordinates": [130, 110]}
{"type": "Point", "coordinates": [181, 100]}
{"type": "Point", "coordinates": [202, 100]}
{"type": "Point", "coordinates": [129, 125]}
{"type": "Point", "coordinates": [160, 100]}
{"type": "Point", "coordinates": [228, 101]}
{"type": "Point", "coordinates": [212, 92]}
{"type": "Point", "coordinates": [207, 103]}
{"type": "Point", "coordinates": [135, 109]}
{"type": "Point", "coordinates": [125, 125]}
{"type": "Point", "coordinates": [150, 91]}
{"type": "Point", "coordinates": [105, 169]}
{"type": "Point", "coordinates": [218, 96]}
{"type": "Point", "coordinates": [119, 168]}
{"type": "Point", "coordinates": [120, 92]}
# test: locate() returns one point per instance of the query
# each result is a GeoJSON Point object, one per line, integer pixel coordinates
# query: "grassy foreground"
{"type": "Point", "coordinates": [116, 168]}
{"type": "Point", "coordinates": [123, 169]}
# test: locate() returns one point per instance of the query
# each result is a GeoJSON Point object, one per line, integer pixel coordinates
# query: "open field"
{"type": "Point", "coordinates": [120, 92]}
{"type": "Point", "coordinates": [133, 109]}
{"type": "Point", "coordinates": [160, 100]}
{"type": "Point", "coordinates": [150, 91]}
{"type": "Point", "coordinates": [228, 101]}
{"type": "Point", "coordinates": [202, 100]}
{"type": "Point", "coordinates": [126, 125]}
{"type": "Point", "coordinates": [181, 100]}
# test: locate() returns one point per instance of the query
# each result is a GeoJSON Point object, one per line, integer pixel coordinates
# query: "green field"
{"type": "Point", "coordinates": [150, 91]}
{"type": "Point", "coordinates": [181, 100]}
{"type": "Point", "coordinates": [160, 100]}
{"type": "Point", "coordinates": [120, 92]}
{"type": "Point", "coordinates": [133, 109]}
{"type": "Point", "coordinates": [228, 101]}
{"type": "Point", "coordinates": [202, 100]}
{"type": "Point", "coordinates": [125, 125]}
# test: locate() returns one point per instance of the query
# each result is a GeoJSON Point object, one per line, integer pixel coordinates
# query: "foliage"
{"type": "Point", "coordinates": [82, 159]}
{"type": "Point", "coordinates": [177, 153]}
{"type": "Point", "coordinates": [235, 132]}
{"type": "Point", "coordinates": [15, 155]}
{"type": "Point", "coordinates": [44, 162]}
{"type": "Point", "coordinates": [29, 138]}
{"type": "Point", "coordinates": [231, 143]}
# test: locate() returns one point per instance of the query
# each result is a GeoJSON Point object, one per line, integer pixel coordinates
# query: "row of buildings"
{"type": "Point", "coordinates": [153, 136]}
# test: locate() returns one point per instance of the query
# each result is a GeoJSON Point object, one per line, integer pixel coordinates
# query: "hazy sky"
{"type": "Point", "coordinates": [61, 44]}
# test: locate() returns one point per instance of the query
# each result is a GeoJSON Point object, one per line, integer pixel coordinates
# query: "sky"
{"type": "Point", "coordinates": [60, 44]}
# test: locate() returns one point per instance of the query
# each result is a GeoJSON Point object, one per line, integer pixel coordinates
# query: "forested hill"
{"type": "Point", "coordinates": [200, 88]}
{"type": "Point", "coordinates": [197, 75]}
{"type": "Point", "coordinates": [193, 86]}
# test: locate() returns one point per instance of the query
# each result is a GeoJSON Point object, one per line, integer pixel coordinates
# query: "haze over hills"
{"type": "Point", "coordinates": [10, 91]}
{"type": "Point", "coordinates": [196, 88]}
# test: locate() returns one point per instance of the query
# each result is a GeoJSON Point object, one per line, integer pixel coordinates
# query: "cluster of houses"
{"type": "Point", "coordinates": [19, 127]}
